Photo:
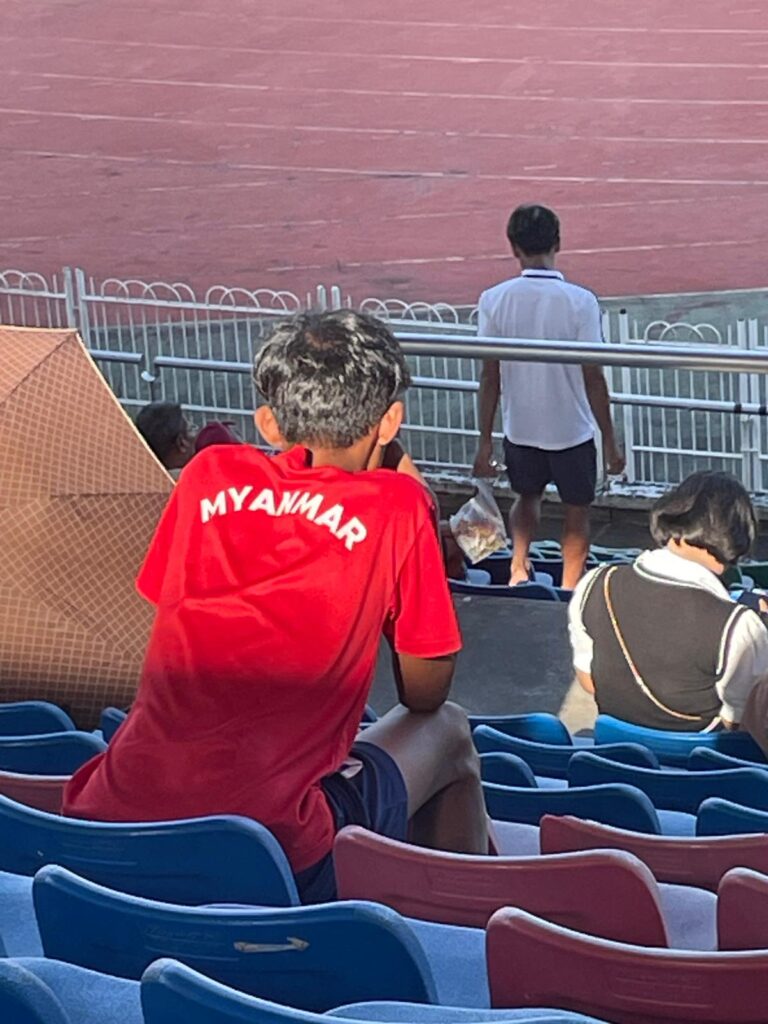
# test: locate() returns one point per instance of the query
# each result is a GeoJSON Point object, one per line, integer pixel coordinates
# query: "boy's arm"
{"type": "Point", "coordinates": [423, 684]}
{"type": "Point", "coordinates": [600, 404]}
{"type": "Point", "coordinates": [488, 400]}
{"type": "Point", "coordinates": [598, 396]}
{"type": "Point", "coordinates": [422, 629]}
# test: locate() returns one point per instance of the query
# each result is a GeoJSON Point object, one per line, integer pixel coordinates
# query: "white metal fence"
{"type": "Point", "coordinates": [156, 340]}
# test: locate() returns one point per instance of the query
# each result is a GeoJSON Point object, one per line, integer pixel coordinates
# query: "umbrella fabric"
{"type": "Point", "coordinates": [80, 496]}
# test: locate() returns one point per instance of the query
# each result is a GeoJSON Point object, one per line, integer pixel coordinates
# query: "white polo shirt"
{"type": "Point", "coordinates": [543, 405]}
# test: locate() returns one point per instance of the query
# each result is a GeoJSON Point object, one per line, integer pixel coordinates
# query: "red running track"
{"type": "Point", "coordinates": [380, 144]}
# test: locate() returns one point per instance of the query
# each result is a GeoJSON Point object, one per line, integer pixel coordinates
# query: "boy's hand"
{"type": "Point", "coordinates": [485, 464]}
{"type": "Point", "coordinates": [615, 460]}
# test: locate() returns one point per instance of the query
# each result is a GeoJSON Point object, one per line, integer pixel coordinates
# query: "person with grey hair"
{"type": "Point", "coordinates": [274, 581]}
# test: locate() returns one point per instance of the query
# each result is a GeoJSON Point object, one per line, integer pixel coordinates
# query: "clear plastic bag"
{"type": "Point", "coordinates": [478, 526]}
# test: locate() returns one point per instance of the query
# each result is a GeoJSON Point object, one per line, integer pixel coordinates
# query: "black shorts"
{"type": "Point", "coordinates": [572, 470]}
{"type": "Point", "coordinates": [375, 798]}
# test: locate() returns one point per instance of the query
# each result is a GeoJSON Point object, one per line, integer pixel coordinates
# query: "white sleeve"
{"type": "Point", "coordinates": [591, 321]}
{"type": "Point", "coordinates": [581, 641]}
{"type": "Point", "coordinates": [746, 663]}
{"type": "Point", "coordinates": [485, 325]}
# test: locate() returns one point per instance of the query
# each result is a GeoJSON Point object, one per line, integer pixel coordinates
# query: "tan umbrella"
{"type": "Point", "coordinates": [80, 495]}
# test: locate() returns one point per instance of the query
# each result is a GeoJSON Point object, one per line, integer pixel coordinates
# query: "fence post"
{"type": "Point", "coordinates": [753, 342]}
{"type": "Point", "coordinates": [70, 298]}
{"type": "Point", "coordinates": [746, 425]}
{"type": "Point", "coordinates": [80, 306]}
{"type": "Point", "coordinates": [627, 412]}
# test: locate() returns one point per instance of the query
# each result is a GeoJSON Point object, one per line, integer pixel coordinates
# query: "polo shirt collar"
{"type": "Point", "coordinates": [665, 563]}
{"type": "Point", "coordinates": [554, 275]}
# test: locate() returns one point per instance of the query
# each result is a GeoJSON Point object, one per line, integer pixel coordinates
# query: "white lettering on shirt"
{"type": "Point", "coordinates": [352, 533]}
{"type": "Point", "coordinates": [231, 500]}
{"type": "Point", "coordinates": [217, 507]}
{"type": "Point", "coordinates": [331, 518]}
{"type": "Point", "coordinates": [307, 505]}
{"type": "Point", "coordinates": [264, 501]}
{"type": "Point", "coordinates": [238, 497]}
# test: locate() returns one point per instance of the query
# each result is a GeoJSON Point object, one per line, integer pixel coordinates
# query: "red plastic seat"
{"type": "Point", "coordinates": [700, 861]}
{"type": "Point", "coordinates": [45, 792]}
{"type": "Point", "coordinates": [534, 963]}
{"type": "Point", "coordinates": [742, 910]}
{"type": "Point", "coordinates": [587, 891]}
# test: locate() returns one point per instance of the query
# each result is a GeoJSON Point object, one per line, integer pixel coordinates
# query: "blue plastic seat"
{"type": "Point", "coordinates": [618, 805]}
{"type": "Point", "coordinates": [55, 753]}
{"type": "Point", "coordinates": [671, 790]}
{"type": "Point", "coordinates": [111, 720]}
{"type": "Point", "coordinates": [19, 935]}
{"type": "Point", "coordinates": [409, 1013]}
{"type": "Point", "coordinates": [535, 591]}
{"type": "Point", "coordinates": [39, 991]}
{"type": "Point", "coordinates": [537, 726]}
{"type": "Point", "coordinates": [506, 770]}
{"type": "Point", "coordinates": [703, 759]}
{"type": "Point", "coordinates": [312, 957]}
{"type": "Point", "coordinates": [199, 860]}
{"type": "Point", "coordinates": [718, 817]}
{"type": "Point", "coordinates": [552, 759]}
{"type": "Point", "coordinates": [174, 994]}
{"type": "Point", "coordinates": [673, 748]}
{"type": "Point", "coordinates": [32, 718]}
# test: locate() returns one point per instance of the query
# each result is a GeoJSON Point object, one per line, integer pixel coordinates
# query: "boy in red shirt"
{"type": "Point", "coordinates": [274, 579]}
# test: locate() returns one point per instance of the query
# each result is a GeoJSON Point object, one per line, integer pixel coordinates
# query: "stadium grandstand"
{"type": "Point", "coordinates": [383, 587]}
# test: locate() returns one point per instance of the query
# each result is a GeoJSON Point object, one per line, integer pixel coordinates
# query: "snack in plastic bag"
{"type": "Point", "coordinates": [478, 526]}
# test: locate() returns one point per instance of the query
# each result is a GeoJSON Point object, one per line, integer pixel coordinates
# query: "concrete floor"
{"type": "Point", "coordinates": [516, 658]}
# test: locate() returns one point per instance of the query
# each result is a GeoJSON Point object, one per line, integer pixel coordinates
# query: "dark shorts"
{"type": "Point", "coordinates": [375, 797]}
{"type": "Point", "coordinates": [572, 470]}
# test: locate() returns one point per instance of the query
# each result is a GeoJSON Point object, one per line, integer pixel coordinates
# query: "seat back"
{"type": "Point", "coordinates": [32, 718]}
{"type": "Point", "coordinates": [538, 726]}
{"type": "Point", "coordinates": [531, 591]}
{"type": "Point", "coordinates": [619, 805]}
{"type": "Point", "coordinates": [586, 891]}
{"type": "Point", "coordinates": [704, 759]}
{"type": "Point", "coordinates": [25, 999]}
{"type": "Point", "coordinates": [225, 859]}
{"type": "Point", "coordinates": [670, 790]}
{"type": "Point", "coordinates": [45, 792]}
{"type": "Point", "coordinates": [111, 720]}
{"type": "Point", "coordinates": [680, 861]}
{"type": "Point", "coordinates": [172, 993]}
{"type": "Point", "coordinates": [673, 748]}
{"type": "Point", "coordinates": [742, 910]}
{"type": "Point", "coordinates": [534, 963]}
{"type": "Point", "coordinates": [55, 753]}
{"type": "Point", "coordinates": [313, 957]}
{"type": "Point", "coordinates": [552, 760]}
{"type": "Point", "coordinates": [506, 770]}
{"type": "Point", "coordinates": [718, 817]}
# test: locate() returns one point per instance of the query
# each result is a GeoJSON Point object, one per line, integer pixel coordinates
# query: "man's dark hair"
{"type": "Point", "coordinates": [533, 229]}
{"type": "Point", "coordinates": [708, 510]}
{"type": "Point", "coordinates": [330, 377]}
{"type": "Point", "coordinates": [161, 424]}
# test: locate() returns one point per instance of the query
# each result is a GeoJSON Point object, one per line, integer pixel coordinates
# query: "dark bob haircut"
{"type": "Point", "coordinates": [707, 510]}
{"type": "Point", "coordinates": [330, 377]}
{"type": "Point", "coordinates": [534, 229]}
{"type": "Point", "coordinates": [161, 424]}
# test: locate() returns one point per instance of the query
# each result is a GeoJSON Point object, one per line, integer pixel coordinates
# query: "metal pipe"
{"type": "Point", "coordinates": [704, 357]}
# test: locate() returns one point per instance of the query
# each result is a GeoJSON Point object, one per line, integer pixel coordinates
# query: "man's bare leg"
{"type": "Point", "coordinates": [441, 770]}
{"type": "Point", "coordinates": [575, 543]}
{"type": "Point", "coordinates": [523, 524]}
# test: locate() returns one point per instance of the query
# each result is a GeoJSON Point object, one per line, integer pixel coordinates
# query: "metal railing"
{"type": "Point", "coordinates": [687, 395]}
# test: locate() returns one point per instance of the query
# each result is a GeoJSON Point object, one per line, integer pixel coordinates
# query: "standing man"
{"type": "Point", "coordinates": [548, 410]}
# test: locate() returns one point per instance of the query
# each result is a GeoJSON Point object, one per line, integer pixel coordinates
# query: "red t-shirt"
{"type": "Point", "coordinates": [273, 583]}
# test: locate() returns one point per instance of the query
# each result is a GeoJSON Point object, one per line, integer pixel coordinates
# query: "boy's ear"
{"type": "Point", "coordinates": [266, 424]}
{"type": "Point", "coordinates": [390, 423]}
